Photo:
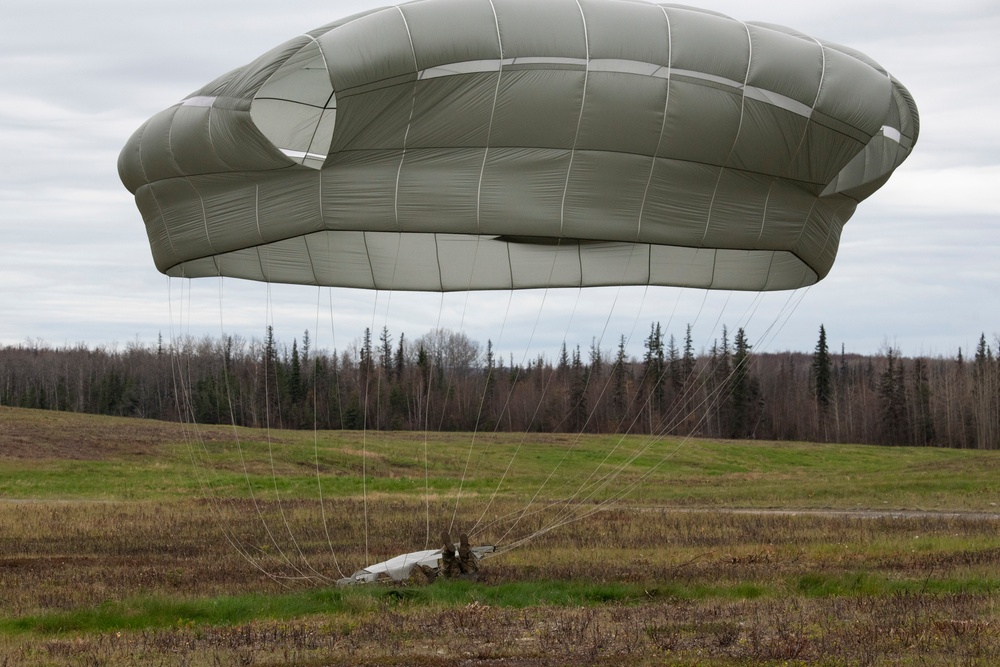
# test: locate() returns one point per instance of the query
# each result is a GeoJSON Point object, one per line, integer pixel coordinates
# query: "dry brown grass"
{"type": "Point", "coordinates": [66, 556]}
{"type": "Point", "coordinates": [710, 587]}
{"type": "Point", "coordinates": [48, 434]}
{"type": "Point", "coordinates": [787, 632]}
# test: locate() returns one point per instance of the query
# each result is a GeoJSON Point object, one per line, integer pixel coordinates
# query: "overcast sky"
{"type": "Point", "coordinates": [918, 264]}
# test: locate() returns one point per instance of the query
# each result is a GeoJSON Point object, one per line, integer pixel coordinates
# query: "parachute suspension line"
{"type": "Point", "coordinates": [563, 502]}
{"type": "Point", "coordinates": [179, 367]}
{"type": "Point", "coordinates": [479, 192]}
{"type": "Point", "coordinates": [766, 337]}
{"type": "Point", "coordinates": [184, 408]}
{"type": "Point", "coordinates": [254, 501]}
{"type": "Point", "coordinates": [712, 399]}
{"type": "Point", "coordinates": [601, 482]}
{"type": "Point", "coordinates": [315, 426]}
{"type": "Point", "coordinates": [479, 414]}
{"type": "Point", "coordinates": [602, 505]}
{"type": "Point", "coordinates": [268, 393]}
{"type": "Point", "coordinates": [525, 511]}
{"type": "Point", "coordinates": [182, 368]}
{"type": "Point", "coordinates": [667, 423]}
{"type": "Point", "coordinates": [185, 412]}
{"type": "Point", "coordinates": [428, 380]}
{"type": "Point", "coordinates": [607, 383]}
{"type": "Point", "coordinates": [541, 400]}
{"type": "Point", "coordinates": [791, 305]}
{"type": "Point", "coordinates": [268, 352]}
{"type": "Point", "coordinates": [366, 369]}
{"type": "Point", "coordinates": [628, 488]}
{"type": "Point", "coordinates": [659, 378]}
{"type": "Point", "coordinates": [486, 386]}
{"type": "Point", "coordinates": [567, 516]}
{"type": "Point", "coordinates": [642, 207]}
{"type": "Point", "coordinates": [315, 392]}
{"type": "Point", "coordinates": [274, 477]}
{"type": "Point", "coordinates": [340, 407]}
{"type": "Point", "coordinates": [702, 306]}
{"type": "Point", "coordinates": [516, 370]}
{"type": "Point", "coordinates": [382, 370]}
{"type": "Point", "coordinates": [225, 372]}
{"type": "Point", "coordinates": [449, 372]}
{"type": "Point", "coordinates": [722, 310]}
{"type": "Point", "coordinates": [191, 434]}
{"type": "Point", "coordinates": [333, 336]}
{"type": "Point", "coordinates": [656, 433]}
{"type": "Point", "coordinates": [513, 384]}
{"type": "Point", "coordinates": [720, 393]}
{"type": "Point", "coordinates": [725, 388]}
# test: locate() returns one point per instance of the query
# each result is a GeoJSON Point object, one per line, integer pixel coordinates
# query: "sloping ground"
{"type": "Point", "coordinates": [47, 434]}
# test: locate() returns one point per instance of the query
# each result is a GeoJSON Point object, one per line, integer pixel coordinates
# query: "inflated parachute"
{"type": "Point", "coordinates": [498, 144]}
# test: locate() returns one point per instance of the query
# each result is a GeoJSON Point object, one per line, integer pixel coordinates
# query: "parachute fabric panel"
{"type": "Point", "coordinates": [401, 567]}
{"type": "Point", "coordinates": [450, 145]}
{"type": "Point", "coordinates": [296, 108]}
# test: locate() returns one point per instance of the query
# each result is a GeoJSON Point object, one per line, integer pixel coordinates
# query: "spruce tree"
{"type": "Point", "coordinates": [294, 382]}
{"type": "Point", "coordinates": [744, 389]}
{"type": "Point", "coordinates": [893, 425]}
{"type": "Point", "coordinates": [822, 376]}
{"type": "Point", "coordinates": [674, 371]}
{"type": "Point", "coordinates": [578, 393]}
{"type": "Point", "coordinates": [400, 359]}
{"type": "Point", "coordinates": [385, 351]}
{"type": "Point", "coordinates": [619, 394]}
{"type": "Point", "coordinates": [688, 360]}
{"type": "Point", "coordinates": [923, 431]}
{"type": "Point", "coordinates": [985, 395]}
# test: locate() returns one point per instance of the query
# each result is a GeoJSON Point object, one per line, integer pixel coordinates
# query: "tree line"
{"type": "Point", "coordinates": [445, 381]}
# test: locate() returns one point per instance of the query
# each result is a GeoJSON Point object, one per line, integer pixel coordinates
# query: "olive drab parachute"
{"type": "Point", "coordinates": [498, 144]}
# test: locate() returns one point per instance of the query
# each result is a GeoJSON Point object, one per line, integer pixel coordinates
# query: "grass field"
{"type": "Point", "coordinates": [124, 542]}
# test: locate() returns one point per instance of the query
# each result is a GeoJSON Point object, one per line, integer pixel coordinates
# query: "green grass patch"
{"type": "Point", "coordinates": [143, 460]}
{"type": "Point", "coordinates": [867, 584]}
{"type": "Point", "coordinates": [163, 612]}
{"type": "Point", "coordinates": [159, 612]}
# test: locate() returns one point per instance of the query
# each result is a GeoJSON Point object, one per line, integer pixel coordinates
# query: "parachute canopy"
{"type": "Point", "coordinates": [401, 567]}
{"type": "Point", "coordinates": [495, 144]}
